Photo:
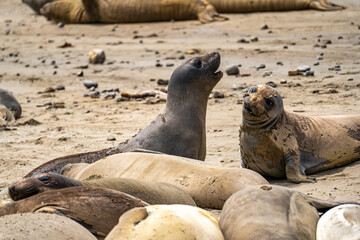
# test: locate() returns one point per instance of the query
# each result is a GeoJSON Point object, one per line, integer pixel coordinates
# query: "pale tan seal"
{"type": "Point", "coordinates": [179, 130]}
{"type": "Point", "coordinates": [97, 209]}
{"type": "Point", "coordinates": [271, 212]}
{"type": "Point", "coordinates": [277, 143]}
{"type": "Point", "coordinates": [150, 192]}
{"type": "Point", "coordinates": [130, 11]}
{"type": "Point", "coordinates": [246, 6]}
{"type": "Point", "coordinates": [36, 226]}
{"type": "Point", "coordinates": [165, 222]}
{"type": "Point", "coordinates": [208, 185]}
{"type": "Point", "coordinates": [341, 222]}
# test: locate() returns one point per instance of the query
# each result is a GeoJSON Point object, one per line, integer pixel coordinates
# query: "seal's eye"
{"type": "Point", "coordinates": [198, 63]}
{"type": "Point", "coordinates": [44, 179]}
{"type": "Point", "coordinates": [269, 102]}
{"type": "Point", "coordinates": [252, 90]}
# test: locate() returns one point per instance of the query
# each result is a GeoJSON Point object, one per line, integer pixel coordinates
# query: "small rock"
{"type": "Point", "coordinates": [162, 82]}
{"type": "Point", "coordinates": [192, 51]}
{"type": "Point", "coordinates": [310, 73]}
{"type": "Point", "coordinates": [271, 84]}
{"type": "Point", "coordinates": [61, 25]}
{"type": "Point", "coordinates": [232, 70]}
{"type": "Point", "coordinates": [58, 105]}
{"type": "Point", "coordinates": [260, 67]}
{"type": "Point", "coordinates": [111, 139]}
{"type": "Point", "coordinates": [285, 47]}
{"type": "Point", "coordinates": [109, 96]}
{"type": "Point", "coordinates": [80, 73]}
{"type": "Point", "coordinates": [280, 63]}
{"type": "Point", "coordinates": [242, 41]}
{"type": "Point", "coordinates": [120, 99]}
{"type": "Point", "coordinates": [316, 64]}
{"type": "Point", "coordinates": [319, 58]}
{"type": "Point", "coordinates": [97, 56]}
{"type": "Point", "coordinates": [95, 94]}
{"type": "Point", "coordinates": [158, 65]}
{"type": "Point", "coordinates": [340, 37]}
{"type": "Point", "coordinates": [350, 79]}
{"type": "Point", "coordinates": [267, 74]}
{"type": "Point", "coordinates": [254, 39]}
{"type": "Point", "coordinates": [60, 88]}
{"type": "Point", "coordinates": [293, 72]}
{"type": "Point", "coordinates": [283, 81]}
{"type": "Point", "coordinates": [264, 27]}
{"type": "Point", "coordinates": [93, 88]}
{"type": "Point", "coordinates": [217, 94]}
{"type": "Point", "coordinates": [90, 84]}
{"type": "Point", "coordinates": [303, 68]}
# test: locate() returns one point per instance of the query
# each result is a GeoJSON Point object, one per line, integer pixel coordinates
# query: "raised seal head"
{"type": "Point", "coordinates": [263, 106]}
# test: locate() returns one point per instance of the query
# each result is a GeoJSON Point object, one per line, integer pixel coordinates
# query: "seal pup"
{"type": "Point", "coordinates": [179, 130]}
{"type": "Point", "coordinates": [36, 5]}
{"type": "Point", "coordinates": [277, 143]}
{"type": "Point", "coordinates": [97, 209]}
{"type": "Point", "coordinates": [34, 226]}
{"type": "Point", "coordinates": [341, 222]}
{"type": "Point", "coordinates": [8, 100]}
{"type": "Point", "coordinates": [208, 185]}
{"type": "Point", "coordinates": [246, 6]}
{"type": "Point", "coordinates": [271, 212]}
{"type": "Point", "coordinates": [163, 222]}
{"type": "Point", "coordinates": [130, 11]}
{"type": "Point", "coordinates": [150, 192]}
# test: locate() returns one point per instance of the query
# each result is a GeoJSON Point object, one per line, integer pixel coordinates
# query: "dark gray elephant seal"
{"type": "Point", "coordinates": [97, 209]}
{"type": "Point", "coordinates": [150, 192]}
{"type": "Point", "coordinates": [36, 5]}
{"type": "Point", "coordinates": [9, 101]}
{"type": "Point", "coordinates": [277, 143]}
{"type": "Point", "coordinates": [35, 226]}
{"type": "Point", "coordinates": [179, 130]}
{"type": "Point", "coordinates": [271, 212]}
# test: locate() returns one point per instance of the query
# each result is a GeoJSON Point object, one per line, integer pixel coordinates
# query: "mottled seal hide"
{"type": "Point", "coordinates": [271, 212]}
{"type": "Point", "coordinates": [129, 11]}
{"type": "Point", "coordinates": [97, 209]}
{"type": "Point", "coordinates": [150, 192]}
{"type": "Point", "coordinates": [35, 226]}
{"type": "Point", "coordinates": [179, 130]}
{"type": "Point", "coordinates": [208, 185]}
{"type": "Point", "coordinates": [341, 222]}
{"type": "Point", "coordinates": [36, 5]}
{"type": "Point", "coordinates": [164, 222]}
{"type": "Point", "coordinates": [279, 144]}
{"type": "Point", "coordinates": [246, 6]}
{"type": "Point", "coordinates": [9, 101]}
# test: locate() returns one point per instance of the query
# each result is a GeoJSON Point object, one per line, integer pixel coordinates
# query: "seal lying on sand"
{"type": "Point", "coordinates": [97, 209]}
{"type": "Point", "coordinates": [150, 192]}
{"type": "Point", "coordinates": [130, 11]}
{"type": "Point", "coordinates": [36, 5]}
{"type": "Point", "coordinates": [246, 6]}
{"type": "Point", "coordinates": [34, 226]}
{"type": "Point", "coordinates": [179, 130]}
{"type": "Point", "coordinates": [341, 222]}
{"type": "Point", "coordinates": [6, 117]}
{"type": "Point", "coordinates": [271, 212]}
{"type": "Point", "coordinates": [163, 222]}
{"type": "Point", "coordinates": [208, 185]}
{"type": "Point", "coordinates": [9, 101]}
{"type": "Point", "coordinates": [277, 143]}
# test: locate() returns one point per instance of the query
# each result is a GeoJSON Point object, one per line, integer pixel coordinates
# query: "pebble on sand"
{"type": "Point", "coordinates": [90, 84]}
{"type": "Point", "coordinates": [232, 70]}
{"type": "Point", "coordinates": [97, 56]}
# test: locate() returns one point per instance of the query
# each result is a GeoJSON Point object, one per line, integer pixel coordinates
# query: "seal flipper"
{"type": "Point", "coordinates": [209, 14]}
{"type": "Point", "coordinates": [294, 171]}
{"type": "Point", "coordinates": [324, 5]}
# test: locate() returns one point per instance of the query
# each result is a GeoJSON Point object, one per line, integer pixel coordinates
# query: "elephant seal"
{"type": "Point", "coordinates": [208, 185]}
{"type": "Point", "coordinates": [341, 222]}
{"type": "Point", "coordinates": [271, 212]}
{"type": "Point", "coordinates": [277, 143]}
{"type": "Point", "coordinates": [97, 209]}
{"type": "Point", "coordinates": [179, 130]}
{"type": "Point", "coordinates": [36, 5]}
{"type": "Point", "coordinates": [34, 226]}
{"type": "Point", "coordinates": [150, 192]}
{"type": "Point", "coordinates": [9, 101]}
{"type": "Point", "coordinates": [162, 222]}
{"type": "Point", "coordinates": [130, 11]}
{"type": "Point", "coordinates": [246, 6]}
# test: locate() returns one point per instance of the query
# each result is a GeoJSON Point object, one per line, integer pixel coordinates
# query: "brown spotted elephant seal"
{"type": "Point", "coordinates": [341, 222]}
{"type": "Point", "coordinates": [150, 192]}
{"type": "Point", "coordinates": [130, 11]}
{"type": "Point", "coordinates": [271, 212]}
{"type": "Point", "coordinates": [8, 100]}
{"type": "Point", "coordinates": [208, 185]}
{"type": "Point", "coordinates": [246, 6]}
{"type": "Point", "coordinates": [179, 130]}
{"type": "Point", "coordinates": [35, 226]}
{"type": "Point", "coordinates": [277, 143]}
{"type": "Point", "coordinates": [164, 222]}
{"type": "Point", "coordinates": [97, 209]}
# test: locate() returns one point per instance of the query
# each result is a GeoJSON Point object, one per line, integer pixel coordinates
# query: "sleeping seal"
{"type": "Point", "coordinates": [163, 222]}
{"type": "Point", "coordinates": [179, 130]}
{"type": "Point", "coordinates": [271, 212]}
{"type": "Point", "coordinates": [130, 11]}
{"type": "Point", "coordinates": [150, 192]}
{"type": "Point", "coordinates": [8, 100]}
{"type": "Point", "coordinates": [277, 143]}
